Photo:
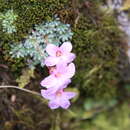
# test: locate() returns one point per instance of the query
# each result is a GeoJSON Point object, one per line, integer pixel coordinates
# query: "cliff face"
{"type": "Point", "coordinates": [97, 44]}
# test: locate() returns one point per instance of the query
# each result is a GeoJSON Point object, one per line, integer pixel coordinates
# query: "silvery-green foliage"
{"type": "Point", "coordinates": [7, 21]}
{"type": "Point", "coordinates": [54, 32]}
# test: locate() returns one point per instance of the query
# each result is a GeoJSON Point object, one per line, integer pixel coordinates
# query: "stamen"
{"type": "Point", "coordinates": [58, 53]}
{"type": "Point", "coordinates": [51, 69]}
{"type": "Point", "coordinates": [57, 74]}
{"type": "Point", "coordinates": [59, 93]}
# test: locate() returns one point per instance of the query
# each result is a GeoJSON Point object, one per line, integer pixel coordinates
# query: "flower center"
{"type": "Point", "coordinates": [58, 53]}
{"type": "Point", "coordinates": [57, 74]}
{"type": "Point", "coordinates": [51, 69]}
{"type": "Point", "coordinates": [59, 93]}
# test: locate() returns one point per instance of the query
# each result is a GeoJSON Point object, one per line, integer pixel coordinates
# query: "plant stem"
{"type": "Point", "coordinates": [22, 89]}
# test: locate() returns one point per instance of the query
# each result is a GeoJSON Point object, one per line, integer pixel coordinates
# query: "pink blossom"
{"type": "Point", "coordinates": [59, 77]}
{"type": "Point", "coordinates": [61, 71]}
{"type": "Point", "coordinates": [60, 54]}
{"type": "Point", "coordinates": [58, 99]}
{"type": "Point", "coordinates": [54, 89]}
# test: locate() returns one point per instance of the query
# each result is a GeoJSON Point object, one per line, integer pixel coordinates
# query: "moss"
{"type": "Point", "coordinates": [116, 119]}
{"type": "Point", "coordinates": [95, 40]}
{"type": "Point", "coordinates": [30, 13]}
{"type": "Point", "coordinates": [96, 43]}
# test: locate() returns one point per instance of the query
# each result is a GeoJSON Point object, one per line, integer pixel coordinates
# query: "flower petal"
{"type": "Point", "coordinates": [49, 81]}
{"type": "Point", "coordinates": [70, 71]}
{"type": "Point", "coordinates": [61, 84]}
{"type": "Point", "coordinates": [70, 57]}
{"type": "Point", "coordinates": [51, 61]}
{"type": "Point", "coordinates": [66, 47]}
{"type": "Point", "coordinates": [67, 81]}
{"type": "Point", "coordinates": [53, 104]}
{"type": "Point", "coordinates": [53, 89]}
{"type": "Point", "coordinates": [69, 95]}
{"type": "Point", "coordinates": [47, 95]}
{"type": "Point", "coordinates": [64, 103]}
{"type": "Point", "coordinates": [51, 49]}
{"type": "Point", "coordinates": [61, 68]}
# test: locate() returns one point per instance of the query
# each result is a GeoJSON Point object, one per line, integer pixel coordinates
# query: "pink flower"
{"type": "Point", "coordinates": [61, 71]}
{"type": "Point", "coordinates": [58, 99]}
{"type": "Point", "coordinates": [59, 77]}
{"type": "Point", "coordinates": [54, 89]}
{"type": "Point", "coordinates": [60, 54]}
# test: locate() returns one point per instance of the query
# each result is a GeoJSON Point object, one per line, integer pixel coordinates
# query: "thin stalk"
{"type": "Point", "coordinates": [22, 89]}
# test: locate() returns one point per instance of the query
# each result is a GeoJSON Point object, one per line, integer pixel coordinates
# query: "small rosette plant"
{"type": "Point", "coordinates": [61, 70]}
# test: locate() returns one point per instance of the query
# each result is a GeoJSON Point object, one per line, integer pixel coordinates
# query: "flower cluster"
{"type": "Point", "coordinates": [61, 71]}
